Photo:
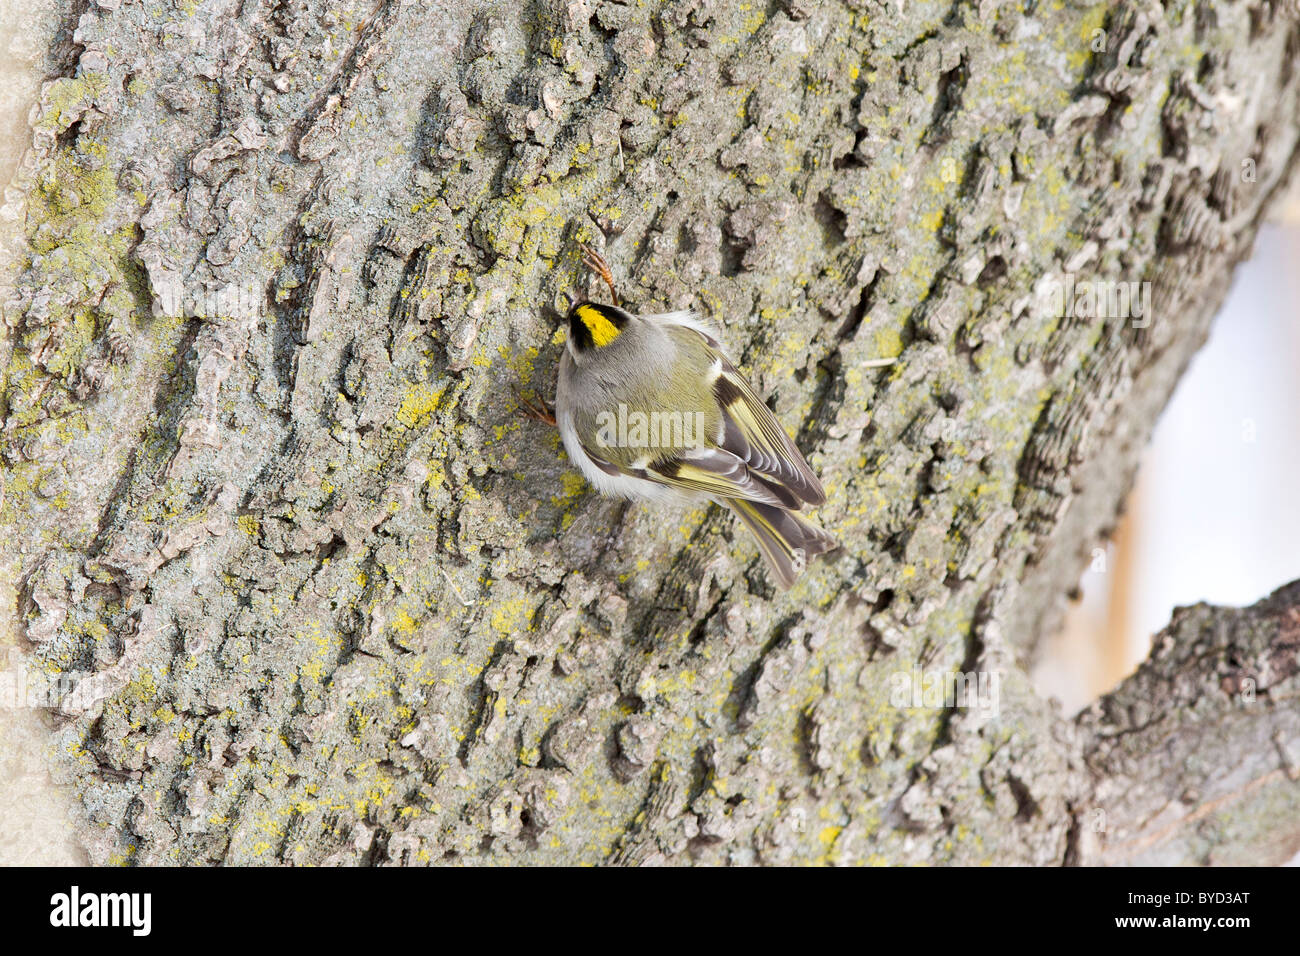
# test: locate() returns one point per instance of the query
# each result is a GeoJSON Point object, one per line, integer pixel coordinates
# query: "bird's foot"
{"type": "Point", "coordinates": [594, 261]}
{"type": "Point", "coordinates": [538, 411]}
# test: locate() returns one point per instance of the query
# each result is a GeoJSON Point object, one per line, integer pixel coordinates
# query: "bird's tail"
{"type": "Point", "coordinates": [787, 541]}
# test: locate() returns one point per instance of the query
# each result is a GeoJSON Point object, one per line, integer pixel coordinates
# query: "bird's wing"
{"type": "Point", "coordinates": [750, 430]}
{"type": "Point", "coordinates": [720, 474]}
{"type": "Point", "coordinates": [715, 472]}
{"type": "Point", "coordinates": [752, 433]}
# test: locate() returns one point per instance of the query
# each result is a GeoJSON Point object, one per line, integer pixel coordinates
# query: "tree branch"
{"type": "Point", "coordinates": [1195, 759]}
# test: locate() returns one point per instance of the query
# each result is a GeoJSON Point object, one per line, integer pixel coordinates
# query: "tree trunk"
{"type": "Point", "coordinates": [319, 593]}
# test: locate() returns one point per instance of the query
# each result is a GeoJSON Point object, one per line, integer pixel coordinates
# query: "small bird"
{"type": "Point", "coordinates": [649, 407]}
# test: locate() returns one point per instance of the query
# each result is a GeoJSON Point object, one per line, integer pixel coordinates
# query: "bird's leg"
{"type": "Point", "coordinates": [538, 412]}
{"type": "Point", "coordinates": [597, 264]}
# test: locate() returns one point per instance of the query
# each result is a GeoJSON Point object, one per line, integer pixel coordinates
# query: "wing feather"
{"type": "Point", "coordinates": [718, 472]}
{"type": "Point", "coordinates": [752, 433]}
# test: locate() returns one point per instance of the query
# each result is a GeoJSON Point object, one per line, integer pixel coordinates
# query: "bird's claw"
{"type": "Point", "coordinates": [538, 412]}
{"type": "Point", "coordinates": [594, 261]}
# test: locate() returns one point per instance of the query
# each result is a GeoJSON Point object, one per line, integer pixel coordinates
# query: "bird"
{"type": "Point", "coordinates": [649, 407]}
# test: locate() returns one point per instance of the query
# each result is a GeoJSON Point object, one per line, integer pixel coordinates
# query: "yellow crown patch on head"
{"type": "Point", "coordinates": [602, 330]}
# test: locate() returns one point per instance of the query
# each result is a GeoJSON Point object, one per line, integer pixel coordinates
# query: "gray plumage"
{"type": "Point", "coordinates": [670, 369]}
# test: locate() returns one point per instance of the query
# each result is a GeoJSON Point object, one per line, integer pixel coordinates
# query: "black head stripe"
{"type": "Point", "coordinates": [581, 332]}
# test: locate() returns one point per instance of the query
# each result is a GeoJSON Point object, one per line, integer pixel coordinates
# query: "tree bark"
{"type": "Point", "coordinates": [1195, 758]}
{"type": "Point", "coordinates": [320, 594]}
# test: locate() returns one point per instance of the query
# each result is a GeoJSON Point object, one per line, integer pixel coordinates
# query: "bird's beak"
{"type": "Point", "coordinates": [573, 299]}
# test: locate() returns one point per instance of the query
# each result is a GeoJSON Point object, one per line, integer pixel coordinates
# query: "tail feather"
{"type": "Point", "coordinates": [787, 540]}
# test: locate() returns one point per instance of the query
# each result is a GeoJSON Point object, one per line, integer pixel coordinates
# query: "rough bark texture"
{"type": "Point", "coordinates": [1196, 757]}
{"type": "Point", "coordinates": [329, 598]}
